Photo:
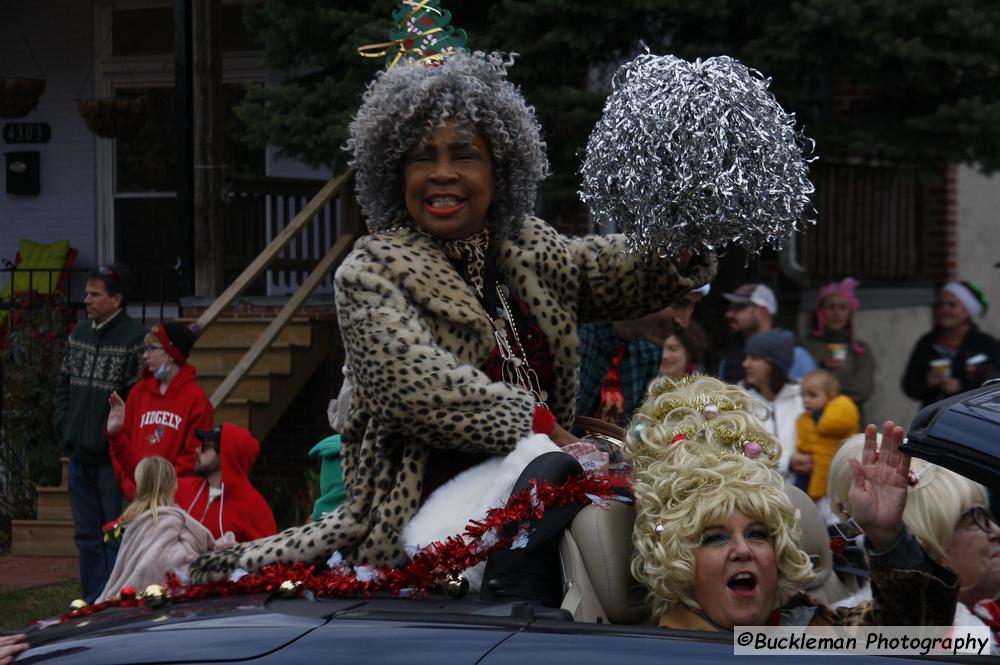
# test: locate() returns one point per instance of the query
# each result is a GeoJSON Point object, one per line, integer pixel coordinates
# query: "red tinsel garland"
{"type": "Point", "coordinates": [431, 564]}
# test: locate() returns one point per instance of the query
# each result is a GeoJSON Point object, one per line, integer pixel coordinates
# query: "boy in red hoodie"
{"type": "Point", "coordinates": [220, 495]}
{"type": "Point", "coordinates": [163, 409]}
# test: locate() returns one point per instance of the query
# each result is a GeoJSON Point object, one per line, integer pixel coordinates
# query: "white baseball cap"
{"type": "Point", "coordinates": [756, 294]}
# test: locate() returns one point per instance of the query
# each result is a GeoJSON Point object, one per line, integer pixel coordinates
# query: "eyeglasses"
{"type": "Point", "coordinates": [978, 517]}
{"type": "Point", "coordinates": [152, 347]}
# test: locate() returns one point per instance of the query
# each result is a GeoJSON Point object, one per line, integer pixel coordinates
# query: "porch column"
{"type": "Point", "coordinates": [208, 174]}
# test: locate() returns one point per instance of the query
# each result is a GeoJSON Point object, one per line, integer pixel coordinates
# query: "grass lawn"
{"type": "Point", "coordinates": [19, 608]}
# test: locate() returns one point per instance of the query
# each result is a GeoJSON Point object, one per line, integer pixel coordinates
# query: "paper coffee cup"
{"type": "Point", "coordinates": [942, 366]}
{"type": "Point", "coordinates": [837, 351]}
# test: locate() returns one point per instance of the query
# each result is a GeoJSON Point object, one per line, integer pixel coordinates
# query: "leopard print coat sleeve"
{"type": "Point", "coordinates": [415, 337]}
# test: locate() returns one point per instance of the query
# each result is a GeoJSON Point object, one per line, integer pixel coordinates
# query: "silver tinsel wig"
{"type": "Point", "coordinates": [696, 156]}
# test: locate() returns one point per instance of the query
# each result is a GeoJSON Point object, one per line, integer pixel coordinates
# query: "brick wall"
{"type": "Point", "coordinates": [941, 223]}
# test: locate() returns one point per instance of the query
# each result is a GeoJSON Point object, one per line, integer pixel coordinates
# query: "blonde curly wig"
{"type": "Point", "coordinates": [688, 445]}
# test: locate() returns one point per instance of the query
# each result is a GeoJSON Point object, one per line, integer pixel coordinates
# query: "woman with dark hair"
{"type": "Point", "coordinates": [955, 356]}
{"type": "Point", "coordinates": [768, 356]}
{"type": "Point", "coordinates": [833, 345]}
{"type": "Point", "coordinates": [459, 313]}
{"type": "Point", "coordinates": [682, 352]}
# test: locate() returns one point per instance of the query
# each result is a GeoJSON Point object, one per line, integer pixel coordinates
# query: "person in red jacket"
{"type": "Point", "coordinates": [163, 409]}
{"type": "Point", "coordinates": [220, 496]}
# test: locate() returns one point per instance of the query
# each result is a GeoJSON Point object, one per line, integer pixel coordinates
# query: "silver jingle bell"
{"type": "Point", "coordinates": [456, 586]}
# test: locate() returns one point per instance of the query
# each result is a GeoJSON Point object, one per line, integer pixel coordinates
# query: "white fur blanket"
{"type": "Point", "coordinates": [148, 551]}
{"type": "Point", "coordinates": [469, 495]}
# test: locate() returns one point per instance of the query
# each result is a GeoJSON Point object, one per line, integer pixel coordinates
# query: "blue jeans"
{"type": "Point", "coordinates": [96, 499]}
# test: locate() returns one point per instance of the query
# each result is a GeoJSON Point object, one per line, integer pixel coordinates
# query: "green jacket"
{"type": "Point", "coordinates": [331, 479]}
{"type": "Point", "coordinates": [97, 362]}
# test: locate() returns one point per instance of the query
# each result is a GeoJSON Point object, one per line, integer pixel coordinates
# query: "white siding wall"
{"type": "Point", "coordinates": [60, 33]}
{"type": "Point", "coordinates": [979, 238]}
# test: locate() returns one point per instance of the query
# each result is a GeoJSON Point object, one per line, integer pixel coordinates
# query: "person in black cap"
{"type": "Point", "coordinates": [220, 494]}
{"type": "Point", "coordinates": [163, 411]}
{"type": "Point", "coordinates": [752, 308]}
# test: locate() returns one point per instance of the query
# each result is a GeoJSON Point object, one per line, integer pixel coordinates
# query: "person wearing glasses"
{"type": "Point", "coordinates": [163, 412]}
{"type": "Point", "coordinates": [948, 515]}
{"type": "Point", "coordinates": [103, 356]}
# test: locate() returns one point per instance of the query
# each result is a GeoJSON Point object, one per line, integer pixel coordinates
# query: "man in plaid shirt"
{"type": "Point", "coordinates": [618, 359]}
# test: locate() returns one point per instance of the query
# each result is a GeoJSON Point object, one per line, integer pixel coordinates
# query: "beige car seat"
{"type": "Point", "coordinates": [827, 587]}
{"type": "Point", "coordinates": [596, 552]}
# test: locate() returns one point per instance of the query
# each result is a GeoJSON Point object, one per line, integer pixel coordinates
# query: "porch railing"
{"type": "Point", "coordinates": [256, 211]}
{"type": "Point", "coordinates": [874, 224]}
{"type": "Point", "coordinates": [336, 242]}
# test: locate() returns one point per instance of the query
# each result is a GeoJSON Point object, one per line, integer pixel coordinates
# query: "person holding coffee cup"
{"type": "Point", "coordinates": [833, 345]}
{"type": "Point", "coordinates": [955, 356]}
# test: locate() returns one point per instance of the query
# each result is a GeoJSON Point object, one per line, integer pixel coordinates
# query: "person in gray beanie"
{"type": "Point", "coordinates": [767, 358]}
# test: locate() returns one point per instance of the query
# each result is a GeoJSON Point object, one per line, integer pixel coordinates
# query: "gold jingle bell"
{"type": "Point", "coordinates": [456, 586]}
{"type": "Point", "coordinates": [290, 588]}
{"type": "Point", "coordinates": [154, 595]}
{"type": "Point", "coordinates": [78, 604]}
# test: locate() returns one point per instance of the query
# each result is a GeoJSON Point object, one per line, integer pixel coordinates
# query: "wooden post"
{"type": "Point", "coordinates": [182, 97]}
{"type": "Point", "coordinates": [206, 17]}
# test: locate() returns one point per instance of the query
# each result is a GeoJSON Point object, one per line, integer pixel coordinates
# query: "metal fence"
{"type": "Point", "coordinates": [873, 224]}
{"type": "Point", "coordinates": [34, 289]}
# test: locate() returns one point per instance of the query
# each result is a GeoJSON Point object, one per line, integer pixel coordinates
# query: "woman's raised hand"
{"type": "Point", "coordinates": [879, 484]}
{"type": "Point", "coordinates": [116, 415]}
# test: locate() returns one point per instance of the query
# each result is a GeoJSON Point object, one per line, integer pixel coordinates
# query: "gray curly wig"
{"type": "Point", "coordinates": [411, 99]}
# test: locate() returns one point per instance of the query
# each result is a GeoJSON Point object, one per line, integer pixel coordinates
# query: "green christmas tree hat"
{"type": "Point", "coordinates": [422, 33]}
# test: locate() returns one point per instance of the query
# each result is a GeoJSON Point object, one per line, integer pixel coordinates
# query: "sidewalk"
{"type": "Point", "coordinates": [22, 572]}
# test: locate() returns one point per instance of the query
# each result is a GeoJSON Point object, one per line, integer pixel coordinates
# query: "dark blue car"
{"type": "Point", "coordinates": [603, 619]}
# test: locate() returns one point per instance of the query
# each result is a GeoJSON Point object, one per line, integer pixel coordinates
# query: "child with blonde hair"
{"type": "Point", "coordinates": [829, 418]}
{"type": "Point", "coordinates": [159, 536]}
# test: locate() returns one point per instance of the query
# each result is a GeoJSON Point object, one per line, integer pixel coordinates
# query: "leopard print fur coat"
{"type": "Point", "coordinates": [415, 337]}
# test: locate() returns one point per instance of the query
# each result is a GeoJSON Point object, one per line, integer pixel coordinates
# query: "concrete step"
{"type": "Point", "coordinates": [42, 538]}
{"type": "Point", "coordinates": [53, 504]}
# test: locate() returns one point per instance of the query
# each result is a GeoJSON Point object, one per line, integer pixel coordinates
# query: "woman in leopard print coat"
{"type": "Point", "coordinates": [447, 161]}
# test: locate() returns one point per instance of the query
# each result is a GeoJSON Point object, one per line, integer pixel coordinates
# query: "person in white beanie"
{"type": "Point", "coordinates": [955, 356]}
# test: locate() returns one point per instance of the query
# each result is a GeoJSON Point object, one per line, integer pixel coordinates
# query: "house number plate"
{"type": "Point", "coordinates": [27, 132]}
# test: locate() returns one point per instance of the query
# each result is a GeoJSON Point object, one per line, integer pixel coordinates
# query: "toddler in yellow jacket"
{"type": "Point", "coordinates": [829, 418]}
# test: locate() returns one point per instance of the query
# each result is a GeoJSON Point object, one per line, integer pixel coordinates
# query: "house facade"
{"type": "Point", "coordinates": [116, 199]}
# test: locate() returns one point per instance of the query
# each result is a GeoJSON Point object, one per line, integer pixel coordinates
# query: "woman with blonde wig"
{"type": "Point", "coordinates": [947, 513]}
{"type": "Point", "coordinates": [717, 540]}
{"type": "Point", "coordinates": [159, 536]}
